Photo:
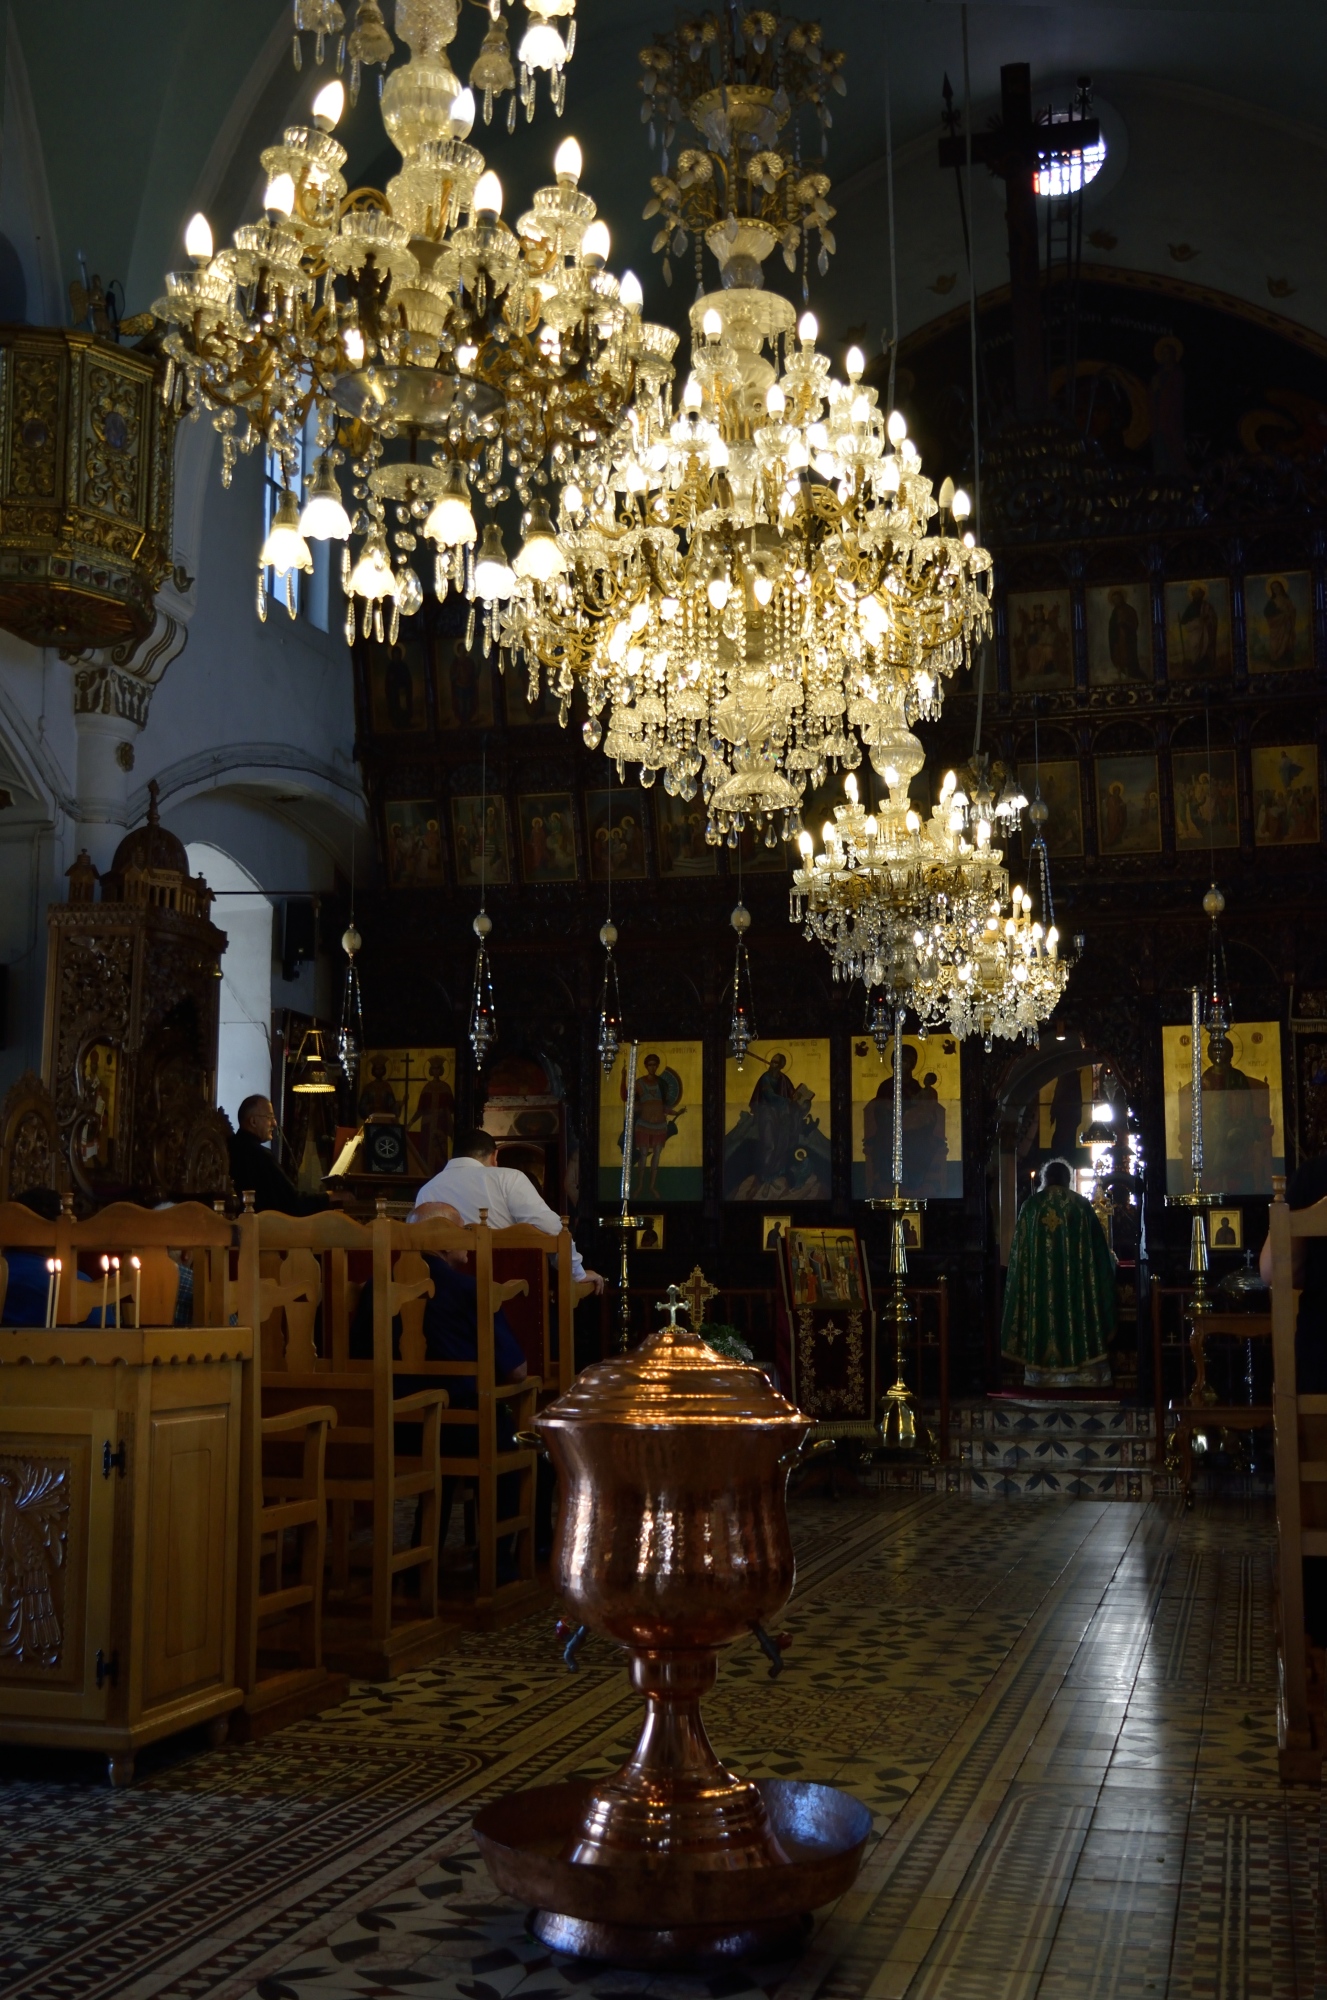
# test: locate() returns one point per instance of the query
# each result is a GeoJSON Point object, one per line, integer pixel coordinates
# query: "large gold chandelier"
{"type": "Point", "coordinates": [750, 586]}
{"type": "Point", "coordinates": [447, 355]}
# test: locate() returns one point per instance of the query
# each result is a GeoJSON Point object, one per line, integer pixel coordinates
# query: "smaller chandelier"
{"type": "Point", "coordinates": [1012, 979]}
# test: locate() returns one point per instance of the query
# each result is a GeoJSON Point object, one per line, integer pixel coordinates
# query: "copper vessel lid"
{"type": "Point", "coordinates": [672, 1378]}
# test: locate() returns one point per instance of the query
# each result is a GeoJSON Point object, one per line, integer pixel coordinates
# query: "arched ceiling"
{"type": "Point", "coordinates": [143, 113]}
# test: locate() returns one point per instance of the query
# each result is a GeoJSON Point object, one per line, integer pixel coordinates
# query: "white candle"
{"type": "Point", "coordinates": [105, 1285]}
{"type": "Point", "coordinates": [898, 1102]}
{"type": "Point", "coordinates": [1196, 1114]}
{"type": "Point", "coordinates": [52, 1273]}
{"type": "Point", "coordinates": [115, 1266]}
{"type": "Point", "coordinates": [136, 1264]}
{"type": "Point", "coordinates": [628, 1127]}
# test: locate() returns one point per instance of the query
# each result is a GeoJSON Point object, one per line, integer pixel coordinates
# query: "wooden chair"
{"type": "Point", "coordinates": [479, 1468]}
{"type": "Point", "coordinates": [294, 1270]}
{"type": "Point", "coordinates": [1301, 1496]}
{"type": "Point", "coordinates": [294, 1501]}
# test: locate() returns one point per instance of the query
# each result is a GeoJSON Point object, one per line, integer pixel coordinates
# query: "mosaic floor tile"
{"type": "Point", "coordinates": [1060, 1716]}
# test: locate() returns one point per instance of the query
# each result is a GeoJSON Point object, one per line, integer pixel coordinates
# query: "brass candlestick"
{"type": "Point", "coordinates": [1197, 1202]}
{"type": "Point", "coordinates": [898, 1426]}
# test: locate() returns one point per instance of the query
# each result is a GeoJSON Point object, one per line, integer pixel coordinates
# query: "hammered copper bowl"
{"type": "Point", "coordinates": [672, 1466]}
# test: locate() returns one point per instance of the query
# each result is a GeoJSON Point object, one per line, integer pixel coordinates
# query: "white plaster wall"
{"type": "Point", "coordinates": [244, 1047]}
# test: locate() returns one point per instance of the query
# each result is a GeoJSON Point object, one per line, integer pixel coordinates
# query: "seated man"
{"type": "Point", "coordinates": [472, 1179]}
{"type": "Point", "coordinates": [253, 1167]}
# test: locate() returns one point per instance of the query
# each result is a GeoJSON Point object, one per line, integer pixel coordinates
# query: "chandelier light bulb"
{"type": "Point", "coordinates": [371, 578]}
{"type": "Point", "coordinates": [946, 495]}
{"type": "Point", "coordinates": [572, 497]}
{"type": "Point", "coordinates": [850, 787]}
{"type": "Point", "coordinates": [712, 325]}
{"type": "Point", "coordinates": [539, 556]}
{"type": "Point", "coordinates": [691, 394]}
{"type": "Point", "coordinates": [962, 504]}
{"type": "Point", "coordinates": [542, 47]}
{"type": "Point", "coordinates": [775, 400]}
{"type": "Point", "coordinates": [451, 521]}
{"type": "Point", "coordinates": [198, 239]}
{"type": "Point", "coordinates": [596, 244]}
{"type": "Point", "coordinates": [324, 518]}
{"type": "Point", "coordinates": [855, 363]}
{"type": "Point", "coordinates": [487, 197]}
{"type": "Point", "coordinates": [328, 105]}
{"type": "Point", "coordinates": [897, 427]}
{"type": "Point", "coordinates": [568, 162]}
{"type": "Point", "coordinates": [461, 117]}
{"type": "Point", "coordinates": [494, 579]}
{"type": "Point", "coordinates": [717, 590]}
{"type": "Point", "coordinates": [808, 326]}
{"type": "Point", "coordinates": [762, 590]}
{"type": "Point", "coordinates": [806, 844]}
{"type": "Point", "coordinates": [352, 340]}
{"type": "Point", "coordinates": [279, 195]}
{"type": "Point", "coordinates": [630, 293]}
{"type": "Point", "coordinates": [285, 547]}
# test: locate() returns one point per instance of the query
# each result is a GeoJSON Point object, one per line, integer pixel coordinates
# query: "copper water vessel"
{"type": "Point", "coordinates": [673, 1541]}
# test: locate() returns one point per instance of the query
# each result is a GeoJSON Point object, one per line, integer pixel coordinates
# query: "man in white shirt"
{"type": "Point", "coordinates": [472, 1180]}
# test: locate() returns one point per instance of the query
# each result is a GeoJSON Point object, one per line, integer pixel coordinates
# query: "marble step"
{"type": "Point", "coordinates": [1060, 1482]}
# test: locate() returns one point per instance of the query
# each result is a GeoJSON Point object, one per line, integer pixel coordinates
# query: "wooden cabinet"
{"type": "Point", "coordinates": [119, 1510]}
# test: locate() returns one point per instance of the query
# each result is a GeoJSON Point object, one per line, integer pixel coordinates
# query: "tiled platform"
{"type": "Point", "coordinates": [1061, 1716]}
{"type": "Point", "coordinates": [1044, 1450]}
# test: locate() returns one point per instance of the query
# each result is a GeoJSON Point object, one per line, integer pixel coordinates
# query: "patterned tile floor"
{"type": "Point", "coordinates": [1061, 1717]}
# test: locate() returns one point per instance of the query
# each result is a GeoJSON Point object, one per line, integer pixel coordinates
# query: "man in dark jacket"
{"type": "Point", "coordinates": [253, 1167]}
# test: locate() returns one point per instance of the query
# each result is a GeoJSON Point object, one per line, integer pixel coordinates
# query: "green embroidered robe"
{"type": "Point", "coordinates": [1059, 1301]}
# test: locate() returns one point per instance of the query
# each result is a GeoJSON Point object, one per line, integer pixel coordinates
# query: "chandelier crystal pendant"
{"type": "Point", "coordinates": [447, 357]}
{"type": "Point", "coordinates": [543, 45]}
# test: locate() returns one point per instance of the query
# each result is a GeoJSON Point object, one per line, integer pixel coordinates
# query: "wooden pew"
{"type": "Point", "coordinates": [294, 1270]}
{"type": "Point", "coordinates": [479, 1469]}
{"type": "Point", "coordinates": [1301, 1496]}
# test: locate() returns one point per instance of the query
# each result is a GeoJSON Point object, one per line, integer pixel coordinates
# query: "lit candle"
{"type": "Point", "coordinates": [1196, 1112]}
{"type": "Point", "coordinates": [898, 1102]}
{"type": "Point", "coordinates": [628, 1127]}
{"type": "Point", "coordinates": [52, 1274]}
{"type": "Point", "coordinates": [115, 1266]}
{"type": "Point", "coordinates": [105, 1285]}
{"type": "Point", "coordinates": [136, 1265]}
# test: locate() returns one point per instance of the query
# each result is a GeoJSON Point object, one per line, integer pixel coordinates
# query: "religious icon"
{"type": "Point", "coordinates": [760, 855]}
{"type": "Point", "coordinates": [1119, 635]}
{"type": "Point", "coordinates": [912, 1231]}
{"type": "Point", "coordinates": [1243, 1129]}
{"type": "Point", "coordinates": [1278, 613]}
{"type": "Point", "coordinates": [777, 1123]}
{"type": "Point", "coordinates": [666, 1131]}
{"type": "Point", "coordinates": [479, 830]}
{"type": "Point", "coordinates": [398, 699]}
{"type": "Point", "coordinates": [1285, 794]}
{"type": "Point", "coordinates": [683, 848]}
{"type": "Point", "coordinates": [650, 1235]}
{"type": "Point", "coordinates": [1061, 792]}
{"type": "Point", "coordinates": [548, 836]}
{"type": "Point", "coordinates": [773, 1229]}
{"type": "Point", "coordinates": [414, 844]}
{"type": "Point", "coordinates": [465, 684]}
{"type": "Point", "coordinates": [1198, 628]}
{"type": "Point", "coordinates": [617, 834]}
{"type": "Point", "coordinates": [826, 1267]}
{"type": "Point", "coordinates": [1225, 1228]}
{"type": "Point", "coordinates": [1040, 640]}
{"type": "Point", "coordinates": [518, 705]}
{"type": "Point", "coordinates": [98, 1090]}
{"type": "Point", "coordinates": [932, 1119]}
{"type": "Point", "coordinates": [1206, 799]}
{"type": "Point", "coordinates": [416, 1088]}
{"type": "Point", "coordinates": [1128, 805]}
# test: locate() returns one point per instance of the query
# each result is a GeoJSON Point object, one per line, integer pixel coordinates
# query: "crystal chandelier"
{"type": "Point", "coordinates": [445, 354]}
{"type": "Point", "coordinates": [899, 902]}
{"type": "Point", "coordinates": [748, 586]}
{"type": "Point", "coordinates": [542, 46]}
{"type": "Point", "coordinates": [923, 915]}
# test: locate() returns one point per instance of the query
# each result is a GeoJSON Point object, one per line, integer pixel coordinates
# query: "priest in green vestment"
{"type": "Point", "coordinates": [1059, 1302]}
